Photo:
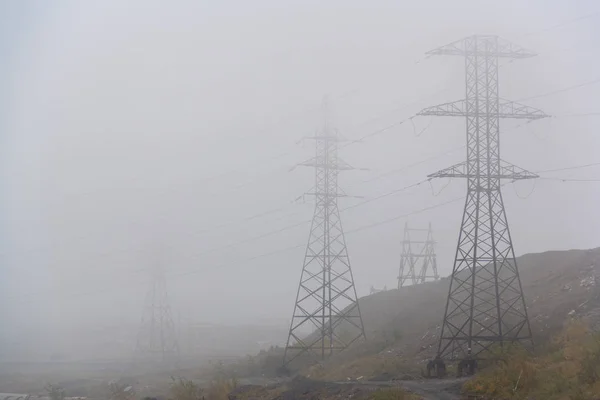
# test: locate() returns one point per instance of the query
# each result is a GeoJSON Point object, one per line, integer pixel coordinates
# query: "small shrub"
{"type": "Point", "coordinates": [568, 370]}
{"type": "Point", "coordinates": [219, 389]}
{"type": "Point", "coordinates": [391, 394]}
{"type": "Point", "coordinates": [119, 391]}
{"type": "Point", "coordinates": [590, 365]}
{"type": "Point", "coordinates": [185, 389]}
{"type": "Point", "coordinates": [55, 392]}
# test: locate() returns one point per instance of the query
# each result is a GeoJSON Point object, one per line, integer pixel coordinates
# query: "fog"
{"type": "Point", "coordinates": [131, 128]}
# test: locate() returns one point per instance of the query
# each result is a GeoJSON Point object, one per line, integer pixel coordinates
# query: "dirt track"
{"type": "Point", "coordinates": [432, 389]}
{"type": "Point", "coordinates": [447, 389]}
{"type": "Point", "coordinates": [302, 388]}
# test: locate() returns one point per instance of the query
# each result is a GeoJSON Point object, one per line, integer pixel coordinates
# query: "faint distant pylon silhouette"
{"type": "Point", "coordinates": [417, 254]}
{"type": "Point", "coordinates": [326, 301]}
{"type": "Point", "coordinates": [157, 339]}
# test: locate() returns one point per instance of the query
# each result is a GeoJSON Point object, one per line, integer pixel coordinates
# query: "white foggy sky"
{"type": "Point", "coordinates": [120, 119]}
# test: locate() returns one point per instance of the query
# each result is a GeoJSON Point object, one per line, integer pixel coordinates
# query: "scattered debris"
{"type": "Point", "coordinates": [587, 282]}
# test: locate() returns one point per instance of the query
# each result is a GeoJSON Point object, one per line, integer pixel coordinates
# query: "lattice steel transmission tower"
{"type": "Point", "coordinates": [417, 254]}
{"type": "Point", "coordinates": [485, 302]}
{"type": "Point", "coordinates": [157, 339]}
{"type": "Point", "coordinates": [326, 301]}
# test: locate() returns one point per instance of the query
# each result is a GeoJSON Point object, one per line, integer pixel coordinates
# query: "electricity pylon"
{"type": "Point", "coordinates": [485, 304]}
{"type": "Point", "coordinates": [157, 339]}
{"type": "Point", "coordinates": [417, 254]}
{"type": "Point", "coordinates": [326, 301]}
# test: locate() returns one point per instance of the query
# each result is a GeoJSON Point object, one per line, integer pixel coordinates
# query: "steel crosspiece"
{"type": "Point", "coordinates": [418, 262]}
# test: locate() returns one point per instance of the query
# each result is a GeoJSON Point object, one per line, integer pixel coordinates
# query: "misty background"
{"type": "Point", "coordinates": [131, 129]}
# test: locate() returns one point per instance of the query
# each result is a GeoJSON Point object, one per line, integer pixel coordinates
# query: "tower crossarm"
{"type": "Point", "coordinates": [506, 109]}
{"type": "Point", "coordinates": [452, 109]}
{"type": "Point", "coordinates": [477, 45]}
{"type": "Point", "coordinates": [507, 171]}
{"type": "Point", "coordinates": [512, 109]}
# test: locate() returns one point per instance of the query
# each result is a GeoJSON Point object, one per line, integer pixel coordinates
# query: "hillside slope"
{"type": "Point", "coordinates": [402, 324]}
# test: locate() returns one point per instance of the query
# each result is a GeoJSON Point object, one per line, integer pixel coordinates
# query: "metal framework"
{"type": "Point", "coordinates": [157, 339]}
{"type": "Point", "coordinates": [326, 316]}
{"type": "Point", "coordinates": [373, 290]}
{"type": "Point", "coordinates": [485, 303]}
{"type": "Point", "coordinates": [414, 253]}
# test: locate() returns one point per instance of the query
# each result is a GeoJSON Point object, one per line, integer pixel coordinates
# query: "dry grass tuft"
{"type": "Point", "coordinates": [568, 370]}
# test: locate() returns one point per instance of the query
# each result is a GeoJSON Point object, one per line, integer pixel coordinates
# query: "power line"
{"type": "Point", "coordinates": [384, 195]}
{"type": "Point", "coordinates": [401, 169]}
{"type": "Point", "coordinates": [294, 115]}
{"type": "Point", "coordinates": [304, 222]}
{"type": "Point", "coordinates": [371, 134]}
{"type": "Point", "coordinates": [568, 168]}
{"type": "Point", "coordinates": [588, 83]}
{"type": "Point", "coordinates": [560, 25]}
{"type": "Point", "coordinates": [259, 256]}
{"type": "Point", "coordinates": [288, 227]}
{"type": "Point", "coordinates": [268, 212]}
{"type": "Point", "coordinates": [568, 179]}
{"type": "Point", "coordinates": [261, 215]}
{"type": "Point", "coordinates": [385, 129]}
{"type": "Point", "coordinates": [590, 114]}
{"type": "Point", "coordinates": [529, 194]}
{"type": "Point", "coordinates": [441, 190]}
{"type": "Point", "coordinates": [266, 234]}
{"type": "Point", "coordinates": [376, 132]}
{"type": "Point", "coordinates": [267, 254]}
{"type": "Point", "coordinates": [422, 130]}
{"type": "Point", "coordinates": [213, 194]}
{"type": "Point", "coordinates": [272, 211]}
{"type": "Point", "coordinates": [272, 232]}
{"type": "Point", "coordinates": [244, 167]}
{"type": "Point", "coordinates": [359, 229]}
{"type": "Point", "coordinates": [184, 273]}
{"type": "Point", "coordinates": [392, 219]}
{"type": "Point", "coordinates": [256, 216]}
{"type": "Point", "coordinates": [402, 107]}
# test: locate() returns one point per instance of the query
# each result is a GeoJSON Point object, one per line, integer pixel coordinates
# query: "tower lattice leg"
{"type": "Point", "coordinates": [485, 302]}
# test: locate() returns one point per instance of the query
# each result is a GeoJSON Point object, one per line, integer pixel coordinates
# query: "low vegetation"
{"type": "Point", "coordinates": [372, 367]}
{"type": "Point", "coordinates": [55, 392]}
{"type": "Point", "coordinates": [186, 389]}
{"type": "Point", "coordinates": [392, 394]}
{"type": "Point", "coordinates": [120, 391]}
{"type": "Point", "coordinates": [567, 369]}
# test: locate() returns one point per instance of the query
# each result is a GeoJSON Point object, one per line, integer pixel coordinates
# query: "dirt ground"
{"type": "Point", "coordinates": [306, 389]}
